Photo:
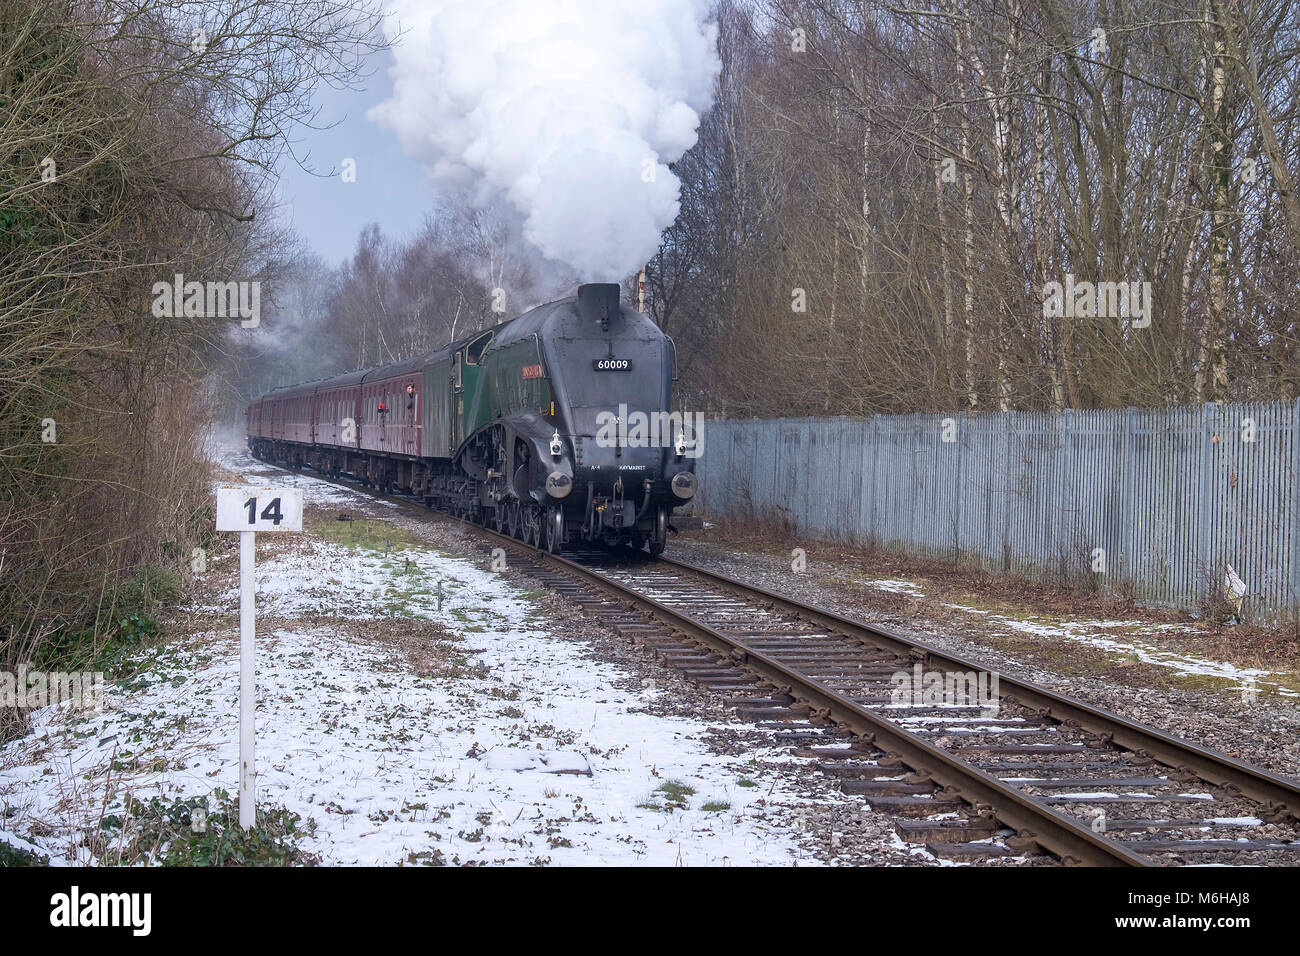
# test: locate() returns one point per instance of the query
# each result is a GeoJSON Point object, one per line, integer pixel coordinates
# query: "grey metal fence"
{"type": "Point", "coordinates": [1166, 498]}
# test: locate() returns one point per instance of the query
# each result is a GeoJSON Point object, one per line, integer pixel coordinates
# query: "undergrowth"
{"type": "Point", "coordinates": [202, 832]}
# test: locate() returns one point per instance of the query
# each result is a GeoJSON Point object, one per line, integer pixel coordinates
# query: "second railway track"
{"type": "Point", "coordinates": [1018, 769]}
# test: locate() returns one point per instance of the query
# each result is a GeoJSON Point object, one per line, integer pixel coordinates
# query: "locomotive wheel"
{"type": "Point", "coordinates": [499, 518]}
{"type": "Point", "coordinates": [659, 539]}
{"type": "Point", "coordinates": [544, 530]}
{"type": "Point", "coordinates": [553, 530]}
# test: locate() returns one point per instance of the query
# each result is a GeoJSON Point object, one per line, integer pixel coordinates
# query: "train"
{"type": "Point", "coordinates": [523, 427]}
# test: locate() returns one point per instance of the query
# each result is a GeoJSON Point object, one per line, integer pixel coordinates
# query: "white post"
{"type": "Point", "coordinates": [249, 510]}
{"type": "Point", "coordinates": [247, 682]}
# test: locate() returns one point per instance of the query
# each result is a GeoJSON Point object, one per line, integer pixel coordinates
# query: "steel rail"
{"type": "Point", "coordinates": [1272, 790]}
{"type": "Point", "coordinates": [1049, 828]}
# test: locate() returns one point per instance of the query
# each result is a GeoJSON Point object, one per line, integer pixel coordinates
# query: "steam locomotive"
{"type": "Point", "coordinates": [522, 427]}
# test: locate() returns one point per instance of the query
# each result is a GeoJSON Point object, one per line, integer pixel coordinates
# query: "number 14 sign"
{"type": "Point", "coordinates": [248, 511]}
{"type": "Point", "coordinates": [259, 509]}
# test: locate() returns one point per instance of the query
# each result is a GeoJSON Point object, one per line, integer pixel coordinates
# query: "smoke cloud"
{"type": "Point", "coordinates": [568, 110]}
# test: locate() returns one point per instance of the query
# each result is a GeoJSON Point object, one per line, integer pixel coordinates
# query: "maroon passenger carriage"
{"type": "Point", "coordinates": [324, 423]}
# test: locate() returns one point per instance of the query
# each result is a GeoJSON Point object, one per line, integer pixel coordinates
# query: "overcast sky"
{"type": "Point", "coordinates": [390, 188]}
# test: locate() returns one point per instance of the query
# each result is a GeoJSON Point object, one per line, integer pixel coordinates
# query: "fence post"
{"type": "Point", "coordinates": [1011, 467]}
{"type": "Point", "coordinates": [875, 467]}
{"type": "Point", "coordinates": [1203, 544]}
{"type": "Point", "coordinates": [963, 443]}
{"type": "Point", "coordinates": [1127, 465]}
{"type": "Point", "coordinates": [1295, 509]}
{"type": "Point", "coordinates": [1058, 548]}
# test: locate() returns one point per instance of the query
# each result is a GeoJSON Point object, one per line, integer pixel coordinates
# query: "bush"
{"type": "Point", "coordinates": [129, 624]}
{"type": "Point", "coordinates": [199, 831]}
{"type": "Point", "coordinates": [12, 856]}
{"type": "Point", "coordinates": [150, 589]}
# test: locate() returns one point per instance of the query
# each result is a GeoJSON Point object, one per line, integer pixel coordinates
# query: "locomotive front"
{"type": "Point", "coordinates": [620, 458]}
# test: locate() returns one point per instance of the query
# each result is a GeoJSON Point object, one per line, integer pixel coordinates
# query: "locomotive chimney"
{"type": "Point", "coordinates": [598, 302]}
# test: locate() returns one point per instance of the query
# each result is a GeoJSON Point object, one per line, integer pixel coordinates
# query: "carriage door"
{"type": "Point", "coordinates": [457, 397]}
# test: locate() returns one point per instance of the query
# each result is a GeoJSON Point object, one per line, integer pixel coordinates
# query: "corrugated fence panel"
{"type": "Point", "coordinates": [1161, 500]}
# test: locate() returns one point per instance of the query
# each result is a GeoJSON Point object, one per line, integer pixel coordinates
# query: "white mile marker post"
{"type": "Point", "coordinates": [248, 511]}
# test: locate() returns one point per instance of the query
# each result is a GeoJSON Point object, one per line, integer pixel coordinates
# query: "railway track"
{"type": "Point", "coordinates": [1006, 768]}
{"type": "Point", "coordinates": [972, 764]}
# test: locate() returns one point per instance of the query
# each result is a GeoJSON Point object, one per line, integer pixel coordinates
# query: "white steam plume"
{"type": "Point", "coordinates": [565, 108]}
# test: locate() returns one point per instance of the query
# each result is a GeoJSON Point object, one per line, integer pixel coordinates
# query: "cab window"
{"type": "Point", "coordinates": [474, 351]}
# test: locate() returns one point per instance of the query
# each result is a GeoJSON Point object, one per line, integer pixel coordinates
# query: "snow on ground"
{"type": "Point", "coordinates": [1103, 635]}
{"type": "Point", "coordinates": [406, 581]}
{"type": "Point", "coordinates": [542, 760]}
{"type": "Point", "coordinates": [910, 588]}
{"type": "Point", "coordinates": [1093, 633]}
{"type": "Point", "coordinates": [523, 750]}
{"type": "Point", "coordinates": [964, 607]}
